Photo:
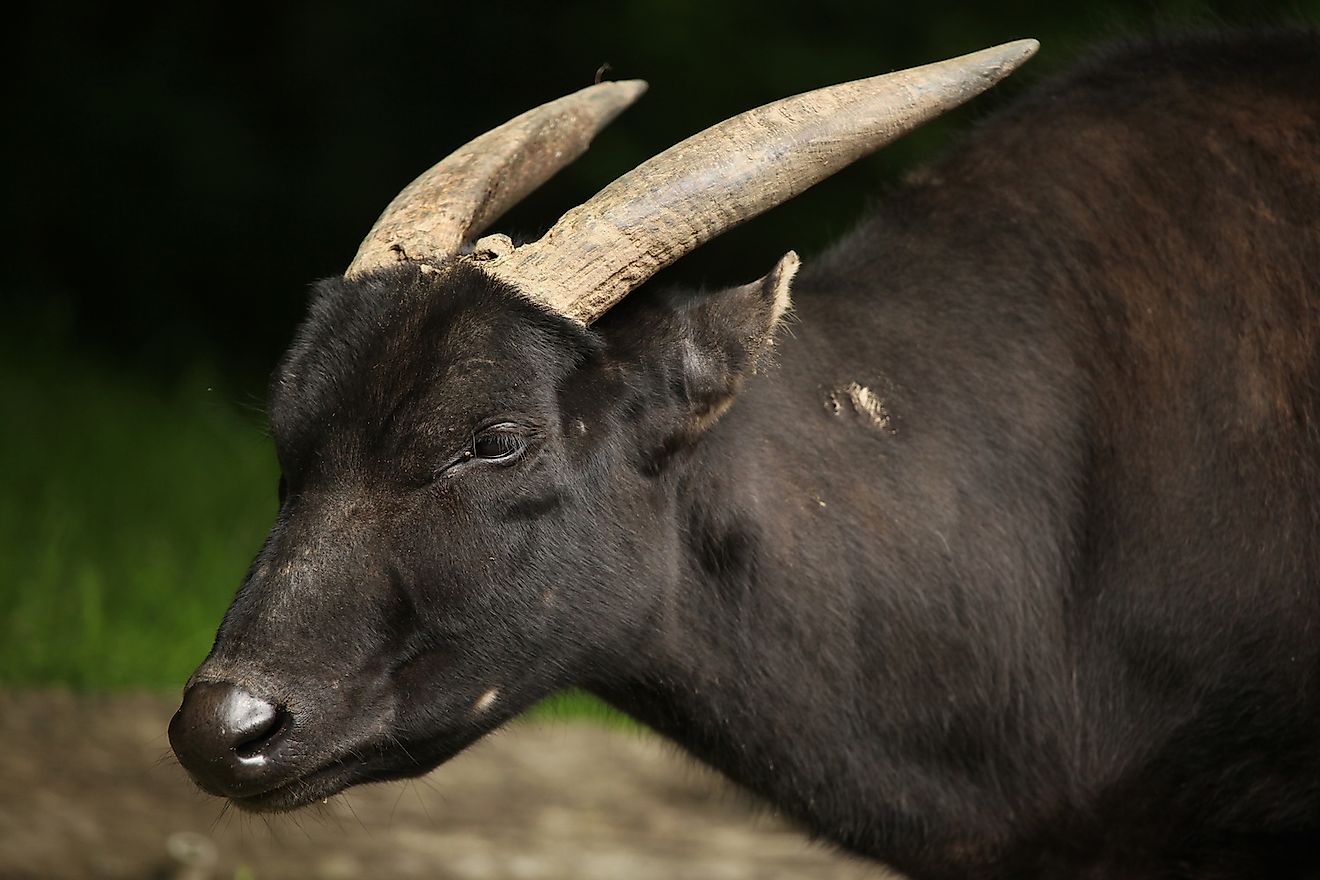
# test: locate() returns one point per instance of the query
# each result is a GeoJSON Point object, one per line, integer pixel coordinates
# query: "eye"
{"type": "Point", "coordinates": [283, 489]}
{"type": "Point", "coordinates": [498, 444]}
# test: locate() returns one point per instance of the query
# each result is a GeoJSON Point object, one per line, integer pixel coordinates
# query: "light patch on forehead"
{"type": "Point", "coordinates": [486, 700]}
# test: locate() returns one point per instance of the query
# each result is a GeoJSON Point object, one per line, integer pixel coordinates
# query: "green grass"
{"type": "Point", "coordinates": [128, 515]}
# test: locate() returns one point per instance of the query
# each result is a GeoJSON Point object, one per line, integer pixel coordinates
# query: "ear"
{"type": "Point", "coordinates": [724, 337]}
{"type": "Point", "coordinates": [700, 360]}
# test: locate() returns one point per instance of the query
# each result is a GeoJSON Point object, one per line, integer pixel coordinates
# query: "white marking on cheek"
{"type": "Point", "coordinates": [486, 700]}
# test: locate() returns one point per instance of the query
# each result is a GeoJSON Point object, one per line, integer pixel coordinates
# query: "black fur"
{"type": "Point", "coordinates": [1054, 613]}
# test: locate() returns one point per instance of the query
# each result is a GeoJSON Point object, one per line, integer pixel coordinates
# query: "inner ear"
{"type": "Point", "coordinates": [722, 338]}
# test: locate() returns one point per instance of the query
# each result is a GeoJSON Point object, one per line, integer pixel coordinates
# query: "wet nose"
{"type": "Point", "coordinates": [229, 739]}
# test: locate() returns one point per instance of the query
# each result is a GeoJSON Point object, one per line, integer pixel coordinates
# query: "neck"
{"type": "Point", "coordinates": [765, 658]}
{"type": "Point", "coordinates": [740, 666]}
{"type": "Point", "coordinates": [822, 639]}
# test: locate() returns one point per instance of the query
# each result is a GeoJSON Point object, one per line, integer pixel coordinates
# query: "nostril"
{"type": "Point", "coordinates": [263, 732]}
{"type": "Point", "coordinates": [249, 725]}
{"type": "Point", "coordinates": [229, 739]}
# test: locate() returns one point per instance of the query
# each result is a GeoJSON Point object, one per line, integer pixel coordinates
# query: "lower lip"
{"type": "Point", "coordinates": [315, 786]}
{"type": "Point", "coordinates": [336, 776]}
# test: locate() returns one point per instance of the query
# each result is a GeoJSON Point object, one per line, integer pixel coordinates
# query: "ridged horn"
{"type": "Point", "coordinates": [603, 249]}
{"type": "Point", "coordinates": [468, 190]}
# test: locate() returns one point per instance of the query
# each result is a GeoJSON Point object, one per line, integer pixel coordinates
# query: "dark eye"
{"type": "Point", "coordinates": [283, 489]}
{"type": "Point", "coordinates": [495, 444]}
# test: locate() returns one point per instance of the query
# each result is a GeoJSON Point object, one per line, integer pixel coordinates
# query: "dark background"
{"type": "Point", "coordinates": [181, 172]}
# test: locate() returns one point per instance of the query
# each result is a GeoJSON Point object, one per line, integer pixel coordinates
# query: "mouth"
{"type": "Point", "coordinates": [330, 779]}
{"type": "Point", "coordinates": [318, 785]}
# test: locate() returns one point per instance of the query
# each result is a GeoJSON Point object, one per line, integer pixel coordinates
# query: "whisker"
{"type": "Point", "coordinates": [224, 810]}
{"type": "Point", "coordinates": [348, 803]}
{"type": "Point", "coordinates": [421, 800]}
{"type": "Point", "coordinates": [166, 757]}
{"type": "Point", "coordinates": [389, 823]}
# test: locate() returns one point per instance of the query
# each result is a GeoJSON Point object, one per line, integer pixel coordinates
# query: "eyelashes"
{"type": "Point", "coordinates": [497, 444]}
{"type": "Point", "coordinates": [500, 444]}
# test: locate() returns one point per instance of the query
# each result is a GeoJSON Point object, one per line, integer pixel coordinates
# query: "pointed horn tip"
{"type": "Point", "coordinates": [1012, 54]}
{"type": "Point", "coordinates": [626, 90]}
{"type": "Point", "coordinates": [992, 64]}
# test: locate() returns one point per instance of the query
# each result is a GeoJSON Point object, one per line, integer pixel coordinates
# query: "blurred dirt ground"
{"type": "Point", "coordinates": [88, 790]}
